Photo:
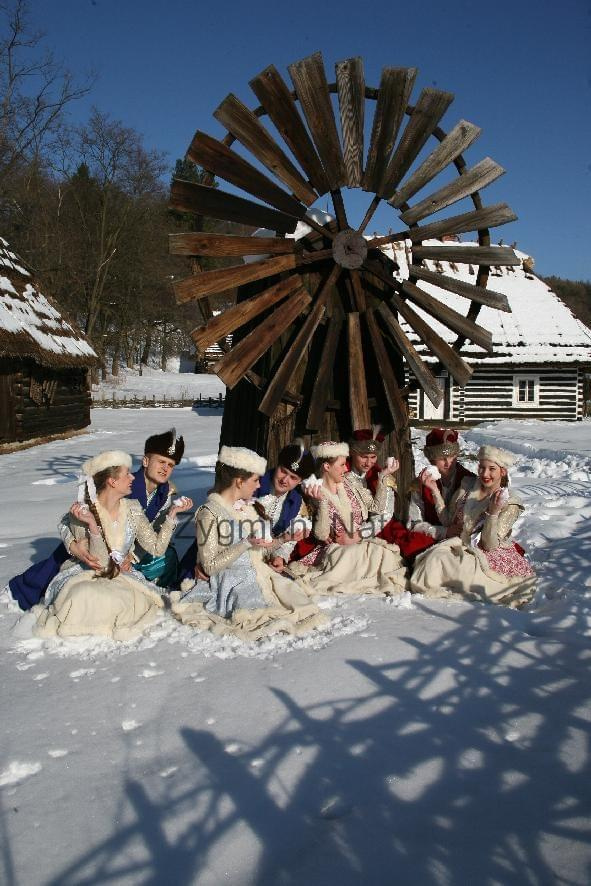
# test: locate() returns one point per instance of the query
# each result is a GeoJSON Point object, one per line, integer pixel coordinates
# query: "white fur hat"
{"type": "Point", "coordinates": [243, 458]}
{"type": "Point", "coordinates": [112, 458]}
{"type": "Point", "coordinates": [330, 449]}
{"type": "Point", "coordinates": [500, 456]}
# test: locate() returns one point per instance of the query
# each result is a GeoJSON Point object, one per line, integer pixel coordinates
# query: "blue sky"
{"type": "Point", "coordinates": [519, 70]}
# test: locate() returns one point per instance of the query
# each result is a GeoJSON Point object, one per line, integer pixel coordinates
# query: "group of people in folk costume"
{"type": "Point", "coordinates": [270, 541]}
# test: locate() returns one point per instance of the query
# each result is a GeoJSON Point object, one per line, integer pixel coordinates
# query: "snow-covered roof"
{"type": "Point", "coordinates": [30, 325]}
{"type": "Point", "coordinates": [539, 329]}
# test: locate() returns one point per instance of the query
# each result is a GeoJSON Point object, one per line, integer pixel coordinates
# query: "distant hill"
{"type": "Point", "coordinates": [576, 294]}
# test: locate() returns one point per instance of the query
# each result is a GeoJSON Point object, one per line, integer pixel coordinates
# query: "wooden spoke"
{"type": "Point", "coordinates": [215, 157]}
{"type": "Point", "coordinates": [219, 245]}
{"type": "Point", "coordinates": [275, 97]}
{"type": "Point", "coordinates": [395, 89]}
{"type": "Point", "coordinates": [469, 182]}
{"type": "Point", "coordinates": [446, 315]}
{"type": "Point", "coordinates": [320, 229]}
{"type": "Point", "coordinates": [499, 256]}
{"type": "Point", "coordinates": [321, 391]}
{"type": "Point", "coordinates": [478, 294]}
{"type": "Point", "coordinates": [368, 215]}
{"type": "Point", "coordinates": [339, 209]}
{"type": "Point", "coordinates": [309, 80]}
{"type": "Point", "coordinates": [436, 344]}
{"type": "Point", "coordinates": [245, 354]}
{"type": "Point", "coordinates": [394, 397]}
{"type": "Point", "coordinates": [359, 294]}
{"type": "Point", "coordinates": [430, 108]}
{"type": "Point", "coordinates": [460, 138]}
{"type": "Point", "coordinates": [421, 371]}
{"type": "Point", "coordinates": [209, 282]}
{"type": "Point", "coordinates": [188, 196]}
{"type": "Point", "coordinates": [351, 92]}
{"type": "Point", "coordinates": [478, 220]}
{"type": "Point", "coordinates": [246, 127]}
{"type": "Point", "coordinates": [292, 359]}
{"type": "Point", "coordinates": [360, 414]}
{"type": "Point", "coordinates": [218, 327]}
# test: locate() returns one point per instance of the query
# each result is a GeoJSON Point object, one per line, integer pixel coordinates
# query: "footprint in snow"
{"type": "Point", "coordinates": [58, 752]}
{"type": "Point", "coordinates": [130, 725]}
{"type": "Point", "coordinates": [17, 771]}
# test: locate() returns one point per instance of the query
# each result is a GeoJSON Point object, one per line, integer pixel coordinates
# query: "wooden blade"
{"type": "Point", "coordinates": [446, 315]}
{"type": "Point", "coordinates": [360, 300]}
{"type": "Point", "coordinates": [360, 414]}
{"type": "Point", "coordinates": [457, 367]}
{"type": "Point", "coordinates": [489, 217]}
{"type": "Point", "coordinates": [217, 328]}
{"type": "Point", "coordinates": [498, 256]}
{"type": "Point", "coordinates": [469, 182]}
{"type": "Point", "coordinates": [479, 294]}
{"type": "Point", "coordinates": [421, 371]}
{"type": "Point", "coordinates": [430, 108]}
{"type": "Point", "coordinates": [247, 128]}
{"type": "Point", "coordinates": [395, 89]}
{"type": "Point", "coordinates": [394, 398]}
{"type": "Point", "coordinates": [309, 80]}
{"type": "Point", "coordinates": [321, 391]}
{"type": "Point", "coordinates": [229, 245]}
{"type": "Point", "coordinates": [245, 354]}
{"type": "Point", "coordinates": [456, 141]}
{"type": "Point", "coordinates": [218, 158]}
{"type": "Point", "coordinates": [351, 92]}
{"type": "Point", "coordinates": [275, 97]}
{"type": "Point", "coordinates": [190, 197]}
{"type": "Point", "coordinates": [292, 359]}
{"type": "Point", "coordinates": [209, 282]}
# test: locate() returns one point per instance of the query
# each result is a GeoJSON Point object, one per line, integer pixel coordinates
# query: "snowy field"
{"type": "Point", "coordinates": [409, 742]}
{"type": "Point", "coordinates": [172, 385]}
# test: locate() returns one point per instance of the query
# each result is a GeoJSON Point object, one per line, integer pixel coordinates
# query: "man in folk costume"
{"type": "Point", "coordinates": [442, 449]}
{"type": "Point", "coordinates": [280, 495]}
{"type": "Point", "coordinates": [366, 472]}
{"type": "Point", "coordinates": [151, 487]}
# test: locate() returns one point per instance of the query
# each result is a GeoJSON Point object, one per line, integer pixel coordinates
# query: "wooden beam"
{"type": "Point", "coordinates": [421, 371]}
{"type": "Point", "coordinates": [233, 366]}
{"type": "Point", "coordinates": [230, 245]}
{"type": "Point", "coordinates": [220, 279]}
{"type": "Point", "coordinates": [468, 183]}
{"type": "Point", "coordinates": [450, 318]}
{"type": "Point", "coordinates": [395, 88]}
{"type": "Point", "coordinates": [320, 393]}
{"type": "Point", "coordinates": [360, 414]}
{"type": "Point", "coordinates": [478, 220]}
{"type": "Point", "coordinates": [188, 196]}
{"type": "Point", "coordinates": [457, 140]}
{"type": "Point", "coordinates": [394, 398]}
{"type": "Point", "coordinates": [247, 128]}
{"type": "Point", "coordinates": [479, 294]}
{"type": "Point", "coordinates": [498, 256]}
{"type": "Point", "coordinates": [351, 92]}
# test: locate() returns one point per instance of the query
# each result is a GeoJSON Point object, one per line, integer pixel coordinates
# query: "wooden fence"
{"type": "Point", "coordinates": [123, 401]}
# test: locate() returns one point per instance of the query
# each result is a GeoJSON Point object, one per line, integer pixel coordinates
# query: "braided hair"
{"type": "Point", "coordinates": [112, 569]}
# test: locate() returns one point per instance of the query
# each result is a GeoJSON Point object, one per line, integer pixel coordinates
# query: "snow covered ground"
{"type": "Point", "coordinates": [409, 742]}
{"type": "Point", "coordinates": [172, 385]}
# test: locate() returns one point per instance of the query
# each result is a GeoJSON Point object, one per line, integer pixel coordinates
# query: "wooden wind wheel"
{"type": "Point", "coordinates": [333, 292]}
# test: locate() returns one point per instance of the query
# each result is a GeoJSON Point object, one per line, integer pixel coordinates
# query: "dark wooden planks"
{"type": "Point", "coordinates": [358, 402]}
{"type": "Point", "coordinates": [450, 318]}
{"type": "Point", "coordinates": [421, 371]}
{"type": "Point", "coordinates": [276, 98]}
{"type": "Point", "coordinates": [394, 398]}
{"type": "Point", "coordinates": [229, 245]}
{"type": "Point", "coordinates": [479, 294]}
{"type": "Point", "coordinates": [217, 158]}
{"type": "Point", "coordinates": [220, 279]}
{"type": "Point", "coordinates": [468, 183]}
{"type": "Point", "coordinates": [311, 86]}
{"type": "Point", "coordinates": [457, 140]}
{"type": "Point", "coordinates": [290, 362]}
{"type": "Point", "coordinates": [499, 256]}
{"type": "Point", "coordinates": [247, 128]}
{"type": "Point", "coordinates": [478, 220]}
{"type": "Point", "coordinates": [351, 92]}
{"type": "Point", "coordinates": [322, 386]}
{"type": "Point", "coordinates": [188, 196]}
{"type": "Point", "coordinates": [395, 88]}
{"type": "Point", "coordinates": [429, 110]}
{"type": "Point", "coordinates": [217, 328]}
{"type": "Point", "coordinates": [245, 354]}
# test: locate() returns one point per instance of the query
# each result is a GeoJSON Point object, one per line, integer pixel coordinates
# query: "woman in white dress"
{"type": "Point", "coordinates": [116, 601]}
{"type": "Point", "coordinates": [241, 595]}
{"type": "Point", "coordinates": [478, 560]}
{"type": "Point", "coordinates": [343, 561]}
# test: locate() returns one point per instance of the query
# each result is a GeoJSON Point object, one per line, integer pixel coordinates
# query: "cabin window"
{"type": "Point", "coordinates": [526, 390]}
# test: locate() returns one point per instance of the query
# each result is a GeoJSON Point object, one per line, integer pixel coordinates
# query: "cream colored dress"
{"type": "Point", "coordinates": [78, 602]}
{"type": "Point", "coordinates": [372, 566]}
{"type": "Point", "coordinates": [483, 563]}
{"type": "Point", "coordinates": [243, 595]}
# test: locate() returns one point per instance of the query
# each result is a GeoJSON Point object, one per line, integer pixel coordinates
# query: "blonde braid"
{"type": "Point", "coordinates": [112, 569]}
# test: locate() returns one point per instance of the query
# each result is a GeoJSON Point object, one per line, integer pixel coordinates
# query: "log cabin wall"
{"type": "Point", "coordinates": [7, 402]}
{"type": "Point", "coordinates": [50, 401]}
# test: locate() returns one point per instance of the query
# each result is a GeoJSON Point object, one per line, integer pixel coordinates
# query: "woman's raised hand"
{"type": "Point", "coordinates": [497, 502]}
{"type": "Point", "coordinates": [83, 513]}
{"type": "Point", "coordinates": [427, 479]}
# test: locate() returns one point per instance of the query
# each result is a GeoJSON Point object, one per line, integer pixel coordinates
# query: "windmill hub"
{"type": "Point", "coordinates": [349, 249]}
